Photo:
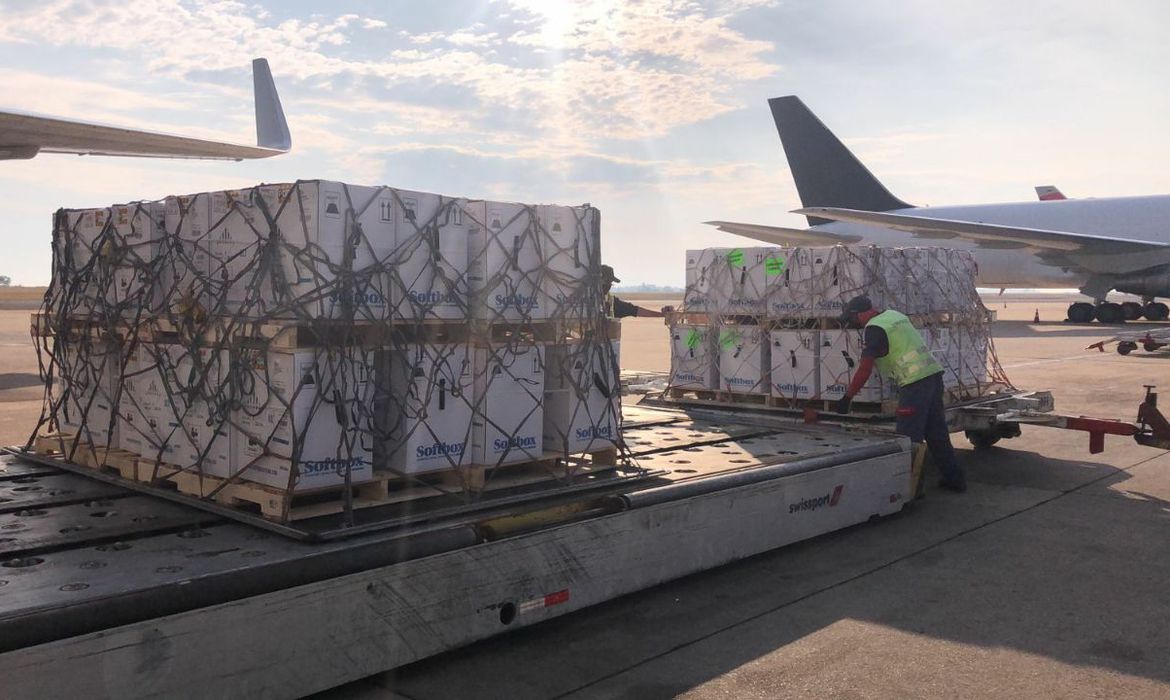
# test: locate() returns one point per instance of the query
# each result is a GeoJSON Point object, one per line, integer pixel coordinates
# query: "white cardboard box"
{"type": "Point", "coordinates": [582, 397]}
{"type": "Point", "coordinates": [289, 398]}
{"type": "Point", "coordinates": [185, 274]}
{"type": "Point", "coordinates": [795, 364]}
{"type": "Point", "coordinates": [429, 263]}
{"type": "Point", "coordinates": [85, 391]}
{"type": "Point", "coordinates": [744, 365]}
{"type": "Point", "coordinates": [571, 248]}
{"type": "Point", "coordinates": [739, 284]}
{"type": "Point", "coordinates": [840, 355]}
{"type": "Point", "coordinates": [694, 363]}
{"type": "Point", "coordinates": [318, 221]}
{"type": "Point", "coordinates": [700, 275]}
{"type": "Point", "coordinates": [504, 261]}
{"type": "Point", "coordinates": [425, 396]}
{"type": "Point", "coordinates": [508, 422]}
{"type": "Point", "coordinates": [142, 427]}
{"type": "Point", "coordinates": [204, 435]}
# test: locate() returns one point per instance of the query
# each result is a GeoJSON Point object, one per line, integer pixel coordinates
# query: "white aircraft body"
{"type": "Point", "coordinates": [25, 135]}
{"type": "Point", "coordinates": [1098, 245]}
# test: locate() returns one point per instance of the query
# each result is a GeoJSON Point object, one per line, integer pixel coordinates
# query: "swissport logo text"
{"type": "Point", "coordinates": [829, 500]}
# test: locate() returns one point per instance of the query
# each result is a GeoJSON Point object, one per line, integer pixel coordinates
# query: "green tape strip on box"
{"type": "Point", "coordinates": [729, 338]}
{"type": "Point", "coordinates": [774, 266]}
{"type": "Point", "coordinates": [735, 257]}
{"type": "Point", "coordinates": [694, 338]}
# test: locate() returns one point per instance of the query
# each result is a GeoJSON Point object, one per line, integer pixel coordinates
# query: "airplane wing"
{"type": "Point", "coordinates": [1096, 255]}
{"type": "Point", "coordinates": [24, 135]}
{"type": "Point", "coordinates": [778, 235]}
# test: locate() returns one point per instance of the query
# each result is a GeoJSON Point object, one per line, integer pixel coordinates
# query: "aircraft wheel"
{"type": "Point", "coordinates": [982, 439]}
{"type": "Point", "coordinates": [1125, 347]}
{"type": "Point", "coordinates": [1080, 312]}
{"type": "Point", "coordinates": [1132, 310]}
{"type": "Point", "coordinates": [1150, 346]}
{"type": "Point", "coordinates": [1156, 311]}
{"type": "Point", "coordinates": [1110, 313]}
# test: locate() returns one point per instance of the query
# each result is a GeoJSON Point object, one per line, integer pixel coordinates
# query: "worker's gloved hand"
{"type": "Point", "coordinates": [843, 404]}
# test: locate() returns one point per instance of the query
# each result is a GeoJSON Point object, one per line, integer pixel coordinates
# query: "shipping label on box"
{"type": "Point", "coordinates": [570, 245]}
{"type": "Point", "coordinates": [508, 423]}
{"type": "Point", "coordinates": [504, 261]}
{"type": "Point", "coordinates": [795, 364]}
{"type": "Point", "coordinates": [694, 362]}
{"type": "Point", "coordinates": [295, 403]}
{"type": "Point", "coordinates": [744, 364]}
{"type": "Point", "coordinates": [424, 405]}
{"type": "Point", "coordinates": [839, 357]}
{"type": "Point", "coordinates": [429, 263]}
{"type": "Point", "coordinates": [582, 398]}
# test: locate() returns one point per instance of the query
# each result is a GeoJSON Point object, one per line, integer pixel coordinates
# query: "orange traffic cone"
{"type": "Point", "coordinates": [1036, 318]}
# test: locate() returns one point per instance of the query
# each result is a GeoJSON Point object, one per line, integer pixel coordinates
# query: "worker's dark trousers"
{"type": "Point", "coordinates": [921, 416]}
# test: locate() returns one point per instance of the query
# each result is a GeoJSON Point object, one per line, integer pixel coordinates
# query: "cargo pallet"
{"type": "Point", "coordinates": [282, 506]}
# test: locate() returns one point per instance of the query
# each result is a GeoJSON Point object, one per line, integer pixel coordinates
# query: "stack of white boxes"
{"type": "Point", "coordinates": [803, 356]}
{"type": "Point", "coordinates": [582, 397]}
{"type": "Point", "coordinates": [322, 250]}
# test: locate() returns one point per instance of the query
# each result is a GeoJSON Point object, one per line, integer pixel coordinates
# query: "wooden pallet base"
{"type": "Point", "coordinates": [275, 504]}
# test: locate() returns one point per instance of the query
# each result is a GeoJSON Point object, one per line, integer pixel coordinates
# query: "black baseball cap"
{"type": "Point", "coordinates": [607, 272]}
{"type": "Point", "coordinates": [854, 306]}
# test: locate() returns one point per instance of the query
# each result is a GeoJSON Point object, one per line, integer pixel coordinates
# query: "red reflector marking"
{"type": "Point", "coordinates": [556, 598]}
{"type": "Point", "coordinates": [905, 411]}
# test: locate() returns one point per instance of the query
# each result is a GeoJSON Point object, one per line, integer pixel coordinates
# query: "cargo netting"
{"type": "Point", "coordinates": [763, 322]}
{"type": "Point", "coordinates": [315, 334]}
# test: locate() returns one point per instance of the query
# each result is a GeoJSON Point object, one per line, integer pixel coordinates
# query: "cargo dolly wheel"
{"type": "Point", "coordinates": [1125, 347]}
{"type": "Point", "coordinates": [982, 439]}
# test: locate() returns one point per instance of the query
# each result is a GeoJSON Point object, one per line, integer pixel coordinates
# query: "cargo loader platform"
{"type": "Point", "coordinates": [138, 596]}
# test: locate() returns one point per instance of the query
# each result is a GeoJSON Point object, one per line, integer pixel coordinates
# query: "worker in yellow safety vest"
{"type": "Point", "coordinates": [616, 308]}
{"type": "Point", "coordinates": [896, 347]}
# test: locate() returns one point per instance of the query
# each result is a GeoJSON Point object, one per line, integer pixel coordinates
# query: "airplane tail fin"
{"type": "Point", "coordinates": [1048, 193]}
{"type": "Point", "coordinates": [271, 128]}
{"type": "Point", "coordinates": [826, 173]}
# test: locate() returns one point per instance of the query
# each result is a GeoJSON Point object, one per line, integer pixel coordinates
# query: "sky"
{"type": "Point", "coordinates": [655, 111]}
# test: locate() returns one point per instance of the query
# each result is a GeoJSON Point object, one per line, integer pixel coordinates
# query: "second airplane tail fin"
{"type": "Point", "coordinates": [271, 127]}
{"type": "Point", "coordinates": [826, 173]}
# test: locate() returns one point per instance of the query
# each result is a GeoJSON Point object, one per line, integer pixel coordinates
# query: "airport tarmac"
{"type": "Point", "coordinates": [1048, 578]}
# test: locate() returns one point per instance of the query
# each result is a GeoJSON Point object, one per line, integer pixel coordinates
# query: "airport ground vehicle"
{"type": "Point", "coordinates": [138, 596]}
